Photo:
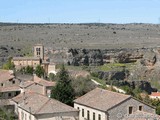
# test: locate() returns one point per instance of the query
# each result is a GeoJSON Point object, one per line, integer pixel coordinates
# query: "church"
{"type": "Point", "coordinates": [37, 59]}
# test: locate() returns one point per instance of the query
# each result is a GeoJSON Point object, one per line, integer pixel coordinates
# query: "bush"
{"type": "Point", "coordinates": [82, 86]}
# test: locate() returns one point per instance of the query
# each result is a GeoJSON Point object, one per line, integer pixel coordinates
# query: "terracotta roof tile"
{"type": "Point", "coordinates": [155, 94]}
{"type": "Point", "coordinates": [5, 75]}
{"type": "Point", "coordinates": [42, 81]}
{"type": "Point", "coordinates": [8, 89]}
{"type": "Point", "coordinates": [101, 99]}
{"type": "Point", "coordinates": [36, 103]}
{"type": "Point", "coordinates": [26, 58]}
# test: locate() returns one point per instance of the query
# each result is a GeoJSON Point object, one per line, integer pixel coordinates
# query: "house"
{"type": "Point", "coordinates": [9, 84]}
{"type": "Point", "coordinates": [37, 59]}
{"type": "Point", "coordinates": [100, 104]}
{"type": "Point", "coordinates": [35, 106]}
{"type": "Point", "coordinates": [155, 95]}
{"type": "Point", "coordinates": [37, 85]}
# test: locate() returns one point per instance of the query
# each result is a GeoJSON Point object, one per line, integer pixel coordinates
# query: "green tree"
{"type": "Point", "coordinates": [29, 70]}
{"type": "Point", "coordinates": [51, 76]}
{"type": "Point", "coordinates": [82, 85]}
{"type": "Point", "coordinates": [6, 115]}
{"type": "Point", "coordinates": [9, 65]}
{"type": "Point", "coordinates": [63, 90]}
{"type": "Point", "coordinates": [39, 71]}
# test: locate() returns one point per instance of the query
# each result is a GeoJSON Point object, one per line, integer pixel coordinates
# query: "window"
{"type": "Point", "coordinates": [1, 84]}
{"type": "Point", "coordinates": [9, 94]}
{"type": "Point", "coordinates": [25, 117]}
{"type": "Point", "coordinates": [13, 82]}
{"type": "Point", "coordinates": [29, 117]}
{"type": "Point", "coordinates": [17, 92]}
{"type": "Point", "coordinates": [99, 117]}
{"type": "Point", "coordinates": [22, 115]}
{"type": "Point", "coordinates": [130, 110]}
{"type": "Point", "coordinates": [82, 112]}
{"type": "Point", "coordinates": [88, 115]}
{"type": "Point", "coordinates": [93, 116]}
{"type": "Point", "coordinates": [140, 108]}
{"type": "Point", "coordinates": [78, 108]}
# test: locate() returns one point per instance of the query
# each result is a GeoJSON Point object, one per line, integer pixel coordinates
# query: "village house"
{"type": "Point", "coordinates": [9, 85]}
{"type": "Point", "coordinates": [155, 95]}
{"type": "Point", "coordinates": [35, 106]}
{"type": "Point", "coordinates": [100, 104]}
{"type": "Point", "coordinates": [37, 59]}
{"type": "Point", "coordinates": [37, 85]}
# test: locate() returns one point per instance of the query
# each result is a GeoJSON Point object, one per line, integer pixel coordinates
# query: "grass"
{"type": "Point", "coordinates": [98, 80]}
{"type": "Point", "coordinates": [155, 84]}
{"type": "Point", "coordinates": [115, 66]}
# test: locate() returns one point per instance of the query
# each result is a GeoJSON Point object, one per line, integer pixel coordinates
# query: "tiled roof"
{"type": "Point", "coordinates": [39, 104]}
{"type": "Point", "coordinates": [141, 115]}
{"type": "Point", "coordinates": [39, 81]}
{"type": "Point", "coordinates": [26, 58]}
{"type": "Point", "coordinates": [155, 94]}
{"type": "Point", "coordinates": [8, 89]}
{"type": "Point", "coordinates": [42, 81]}
{"type": "Point", "coordinates": [26, 84]}
{"type": "Point", "coordinates": [5, 75]}
{"type": "Point", "coordinates": [101, 99]}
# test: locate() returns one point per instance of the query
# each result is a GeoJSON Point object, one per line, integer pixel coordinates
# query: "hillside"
{"type": "Point", "coordinates": [81, 35]}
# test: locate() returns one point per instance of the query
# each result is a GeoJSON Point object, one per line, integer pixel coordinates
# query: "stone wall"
{"type": "Point", "coordinates": [122, 110]}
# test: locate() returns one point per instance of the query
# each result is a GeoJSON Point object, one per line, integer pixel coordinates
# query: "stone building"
{"type": "Point", "coordinates": [9, 85]}
{"type": "Point", "coordinates": [37, 59]}
{"type": "Point", "coordinates": [155, 95]}
{"type": "Point", "coordinates": [100, 104]}
{"type": "Point", "coordinates": [37, 85]}
{"type": "Point", "coordinates": [35, 106]}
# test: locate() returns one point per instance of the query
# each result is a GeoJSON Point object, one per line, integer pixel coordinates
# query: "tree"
{"type": "Point", "coordinates": [63, 90]}
{"type": "Point", "coordinates": [51, 76]}
{"type": "Point", "coordinates": [9, 65]}
{"type": "Point", "coordinates": [29, 70]}
{"type": "Point", "coordinates": [39, 71]}
{"type": "Point", "coordinates": [82, 86]}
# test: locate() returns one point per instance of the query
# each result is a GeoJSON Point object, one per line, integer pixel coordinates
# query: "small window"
{"type": "Point", "coordinates": [1, 84]}
{"type": "Point", "coordinates": [82, 112]}
{"type": "Point", "coordinates": [99, 117]}
{"type": "Point", "coordinates": [94, 116]}
{"type": "Point", "coordinates": [25, 117]}
{"type": "Point", "coordinates": [17, 92]}
{"type": "Point", "coordinates": [88, 115]}
{"type": "Point", "coordinates": [13, 82]}
{"type": "Point", "coordinates": [22, 115]}
{"type": "Point", "coordinates": [140, 108]}
{"type": "Point", "coordinates": [78, 108]}
{"type": "Point", "coordinates": [130, 110]}
{"type": "Point", "coordinates": [9, 94]}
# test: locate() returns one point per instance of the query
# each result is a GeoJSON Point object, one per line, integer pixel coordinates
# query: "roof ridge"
{"type": "Point", "coordinates": [104, 90]}
{"type": "Point", "coordinates": [42, 105]}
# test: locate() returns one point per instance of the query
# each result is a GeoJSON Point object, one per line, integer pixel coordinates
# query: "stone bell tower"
{"type": "Point", "coordinates": [39, 51]}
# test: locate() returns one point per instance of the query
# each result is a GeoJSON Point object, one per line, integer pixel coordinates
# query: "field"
{"type": "Point", "coordinates": [102, 36]}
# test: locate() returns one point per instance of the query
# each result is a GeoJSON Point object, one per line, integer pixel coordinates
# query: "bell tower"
{"type": "Point", "coordinates": [39, 51]}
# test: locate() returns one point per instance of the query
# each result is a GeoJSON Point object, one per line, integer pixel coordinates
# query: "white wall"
{"type": "Point", "coordinates": [58, 116]}
{"type": "Point", "coordinates": [26, 115]}
{"type": "Point", "coordinates": [91, 111]}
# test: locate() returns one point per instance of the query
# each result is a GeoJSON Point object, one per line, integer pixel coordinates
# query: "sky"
{"type": "Point", "coordinates": [80, 11]}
